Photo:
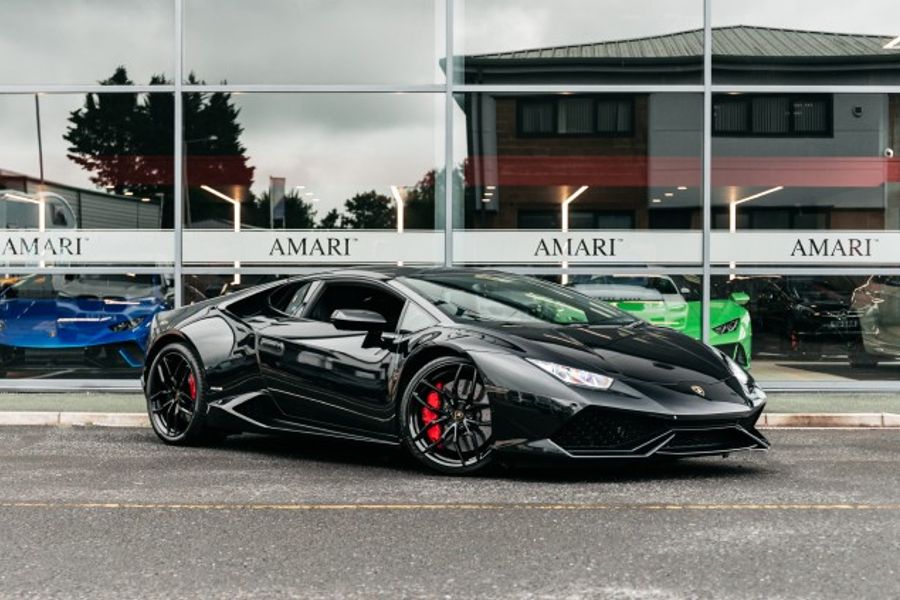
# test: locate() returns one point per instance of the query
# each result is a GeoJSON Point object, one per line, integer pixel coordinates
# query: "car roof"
{"type": "Point", "coordinates": [392, 272]}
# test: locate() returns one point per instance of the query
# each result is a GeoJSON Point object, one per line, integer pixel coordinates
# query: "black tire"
{"type": "Point", "coordinates": [445, 417]}
{"type": "Point", "coordinates": [175, 404]}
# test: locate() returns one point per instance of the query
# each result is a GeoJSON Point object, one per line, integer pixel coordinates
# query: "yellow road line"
{"type": "Point", "coordinates": [442, 506]}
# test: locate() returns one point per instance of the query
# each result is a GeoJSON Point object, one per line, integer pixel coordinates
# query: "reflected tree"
{"type": "Point", "coordinates": [298, 213]}
{"type": "Point", "coordinates": [332, 220]}
{"type": "Point", "coordinates": [419, 203]}
{"type": "Point", "coordinates": [370, 210]}
{"type": "Point", "coordinates": [125, 142]}
{"type": "Point", "coordinates": [214, 156]}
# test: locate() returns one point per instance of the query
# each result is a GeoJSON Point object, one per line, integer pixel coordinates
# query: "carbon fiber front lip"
{"type": "Point", "coordinates": [655, 446]}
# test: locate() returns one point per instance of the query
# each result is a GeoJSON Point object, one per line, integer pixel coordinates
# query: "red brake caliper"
{"type": "Point", "coordinates": [433, 399]}
{"type": "Point", "coordinates": [192, 386]}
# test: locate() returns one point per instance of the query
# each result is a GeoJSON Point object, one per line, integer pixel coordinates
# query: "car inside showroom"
{"type": "Point", "coordinates": [729, 173]}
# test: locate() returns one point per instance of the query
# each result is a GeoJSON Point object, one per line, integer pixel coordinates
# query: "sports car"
{"type": "Point", "coordinates": [658, 300]}
{"type": "Point", "coordinates": [800, 316]}
{"type": "Point", "coordinates": [457, 366]}
{"type": "Point", "coordinates": [78, 320]}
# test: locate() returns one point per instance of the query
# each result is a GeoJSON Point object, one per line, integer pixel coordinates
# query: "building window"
{"type": "Point", "coordinates": [769, 115]}
{"type": "Point", "coordinates": [584, 116]}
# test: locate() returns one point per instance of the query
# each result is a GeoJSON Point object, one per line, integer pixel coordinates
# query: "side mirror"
{"type": "Point", "coordinates": [740, 298]}
{"type": "Point", "coordinates": [348, 319]}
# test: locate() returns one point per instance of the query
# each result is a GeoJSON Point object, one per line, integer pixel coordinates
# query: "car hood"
{"type": "Point", "coordinates": [69, 321]}
{"type": "Point", "coordinates": [638, 352]}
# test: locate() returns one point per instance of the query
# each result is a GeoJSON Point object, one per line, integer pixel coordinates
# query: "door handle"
{"type": "Point", "coordinates": [271, 346]}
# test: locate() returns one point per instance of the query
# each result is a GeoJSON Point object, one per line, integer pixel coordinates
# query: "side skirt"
{"type": "Point", "coordinates": [242, 413]}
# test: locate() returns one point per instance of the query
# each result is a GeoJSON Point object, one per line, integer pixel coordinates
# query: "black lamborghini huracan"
{"type": "Point", "coordinates": [456, 365]}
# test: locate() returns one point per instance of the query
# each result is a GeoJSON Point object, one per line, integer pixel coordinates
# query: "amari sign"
{"type": "Point", "coordinates": [582, 247]}
{"type": "Point", "coordinates": [805, 247]}
{"type": "Point", "coordinates": [42, 246]}
{"type": "Point", "coordinates": [99, 246]}
{"type": "Point", "coordinates": [314, 247]}
{"type": "Point", "coordinates": [301, 246]}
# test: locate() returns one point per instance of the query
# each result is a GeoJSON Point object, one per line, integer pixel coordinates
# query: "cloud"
{"type": "Point", "coordinates": [315, 41]}
{"type": "Point", "coordinates": [83, 41]}
{"type": "Point", "coordinates": [341, 143]}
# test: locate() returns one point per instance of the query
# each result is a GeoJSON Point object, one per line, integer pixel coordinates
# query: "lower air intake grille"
{"type": "Point", "coordinates": [708, 441]}
{"type": "Point", "coordinates": [595, 429]}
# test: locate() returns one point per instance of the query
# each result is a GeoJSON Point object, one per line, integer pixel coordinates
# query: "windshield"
{"type": "Point", "coordinates": [94, 286]}
{"type": "Point", "coordinates": [505, 298]}
{"type": "Point", "coordinates": [663, 285]}
{"type": "Point", "coordinates": [821, 289]}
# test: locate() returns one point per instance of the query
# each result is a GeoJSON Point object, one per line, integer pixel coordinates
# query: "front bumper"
{"type": "Point", "coordinates": [630, 420]}
{"type": "Point", "coordinates": [119, 355]}
{"type": "Point", "coordinates": [595, 432]}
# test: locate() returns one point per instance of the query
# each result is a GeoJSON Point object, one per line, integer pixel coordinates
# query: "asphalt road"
{"type": "Point", "coordinates": [99, 513]}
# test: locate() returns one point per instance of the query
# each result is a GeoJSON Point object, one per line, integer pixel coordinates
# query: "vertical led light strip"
{"type": "Point", "coordinates": [401, 209]}
{"type": "Point", "coordinates": [236, 204]}
{"type": "Point", "coordinates": [564, 222]}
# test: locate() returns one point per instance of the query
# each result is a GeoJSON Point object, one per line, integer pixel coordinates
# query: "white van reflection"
{"type": "Point", "coordinates": [20, 210]}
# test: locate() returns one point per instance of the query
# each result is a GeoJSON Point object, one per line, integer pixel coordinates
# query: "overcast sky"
{"type": "Point", "coordinates": [335, 145]}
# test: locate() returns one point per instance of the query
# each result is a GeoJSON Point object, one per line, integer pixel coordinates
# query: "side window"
{"type": "Point", "coordinates": [415, 319]}
{"type": "Point", "coordinates": [345, 295]}
{"type": "Point", "coordinates": [298, 300]}
{"type": "Point", "coordinates": [664, 286]}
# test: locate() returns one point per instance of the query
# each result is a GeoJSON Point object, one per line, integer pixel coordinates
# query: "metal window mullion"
{"type": "Point", "coordinates": [178, 140]}
{"type": "Point", "coordinates": [577, 88]}
{"type": "Point", "coordinates": [449, 83]}
{"type": "Point", "coordinates": [87, 270]}
{"type": "Point", "coordinates": [707, 167]}
{"type": "Point", "coordinates": [602, 270]}
{"type": "Point", "coordinates": [807, 89]}
{"type": "Point", "coordinates": [825, 270]}
{"type": "Point", "coordinates": [84, 89]}
{"type": "Point", "coordinates": [336, 88]}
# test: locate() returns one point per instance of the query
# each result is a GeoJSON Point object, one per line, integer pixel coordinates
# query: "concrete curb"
{"type": "Point", "coordinates": [767, 421]}
{"type": "Point", "coordinates": [819, 420]}
{"type": "Point", "coordinates": [74, 419]}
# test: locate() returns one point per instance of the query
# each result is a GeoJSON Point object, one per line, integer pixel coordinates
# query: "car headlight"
{"type": "Point", "coordinates": [754, 392]}
{"type": "Point", "coordinates": [737, 370]}
{"type": "Point", "coordinates": [727, 327]}
{"type": "Point", "coordinates": [573, 376]}
{"type": "Point", "coordinates": [127, 324]}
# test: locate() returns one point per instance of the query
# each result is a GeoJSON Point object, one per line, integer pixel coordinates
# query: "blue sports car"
{"type": "Point", "coordinates": [100, 321]}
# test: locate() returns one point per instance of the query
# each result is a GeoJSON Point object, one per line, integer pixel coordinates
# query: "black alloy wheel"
{"type": "Point", "coordinates": [174, 391]}
{"type": "Point", "coordinates": [446, 417]}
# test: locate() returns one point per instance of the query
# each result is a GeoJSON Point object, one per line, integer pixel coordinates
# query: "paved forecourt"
{"type": "Point", "coordinates": [112, 512]}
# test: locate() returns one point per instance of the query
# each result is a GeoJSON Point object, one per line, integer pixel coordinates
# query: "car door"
{"type": "Point", "coordinates": [329, 378]}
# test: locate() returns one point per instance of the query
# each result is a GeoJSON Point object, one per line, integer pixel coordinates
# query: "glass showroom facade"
{"type": "Point", "coordinates": [726, 169]}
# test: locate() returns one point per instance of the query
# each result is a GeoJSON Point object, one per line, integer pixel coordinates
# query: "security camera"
{"type": "Point", "coordinates": [889, 153]}
{"type": "Point", "coordinates": [857, 111]}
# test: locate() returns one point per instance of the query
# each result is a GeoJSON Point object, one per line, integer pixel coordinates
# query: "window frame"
{"type": "Point", "coordinates": [792, 133]}
{"type": "Point", "coordinates": [556, 99]}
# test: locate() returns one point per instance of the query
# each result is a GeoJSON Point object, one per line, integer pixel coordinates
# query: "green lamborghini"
{"type": "Point", "coordinates": [660, 301]}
